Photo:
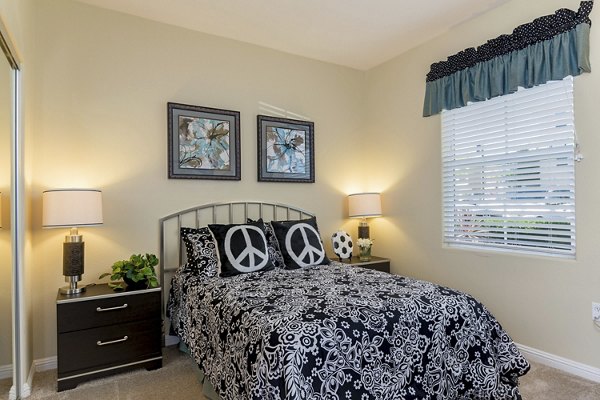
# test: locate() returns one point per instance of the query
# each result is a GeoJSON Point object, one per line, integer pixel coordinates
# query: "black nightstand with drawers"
{"type": "Point", "coordinates": [376, 263]}
{"type": "Point", "coordinates": [101, 332]}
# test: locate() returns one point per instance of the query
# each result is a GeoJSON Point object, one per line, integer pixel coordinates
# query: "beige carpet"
{"type": "Point", "coordinates": [177, 380]}
{"type": "Point", "coordinates": [5, 385]}
{"type": "Point", "coordinates": [545, 383]}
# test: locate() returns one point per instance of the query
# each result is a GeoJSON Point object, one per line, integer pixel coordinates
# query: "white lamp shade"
{"type": "Point", "coordinates": [364, 205]}
{"type": "Point", "coordinates": [71, 207]}
{"type": "Point", "coordinates": [1, 210]}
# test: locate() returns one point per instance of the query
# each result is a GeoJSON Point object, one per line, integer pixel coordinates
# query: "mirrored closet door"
{"type": "Point", "coordinates": [5, 252]}
{"type": "Point", "coordinates": [8, 138]}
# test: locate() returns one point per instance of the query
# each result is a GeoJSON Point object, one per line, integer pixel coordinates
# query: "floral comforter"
{"type": "Point", "coordinates": [341, 332]}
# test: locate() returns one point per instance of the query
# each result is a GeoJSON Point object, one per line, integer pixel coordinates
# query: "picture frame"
{"type": "Point", "coordinates": [285, 150]}
{"type": "Point", "coordinates": [203, 142]}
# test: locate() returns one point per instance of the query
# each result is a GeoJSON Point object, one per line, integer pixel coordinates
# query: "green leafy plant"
{"type": "Point", "coordinates": [138, 269]}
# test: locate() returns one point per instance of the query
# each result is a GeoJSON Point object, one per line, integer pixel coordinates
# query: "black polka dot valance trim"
{"type": "Point", "coordinates": [542, 28]}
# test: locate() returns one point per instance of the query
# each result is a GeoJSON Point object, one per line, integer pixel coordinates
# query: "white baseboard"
{"type": "Point", "coordinates": [42, 364]}
{"type": "Point", "coordinates": [561, 363]}
{"type": "Point", "coordinates": [6, 371]}
{"type": "Point", "coordinates": [26, 389]}
{"type": "Point", "coordinates": [26, 392]}
{"type": "Point", "coordinates": [45, 364]}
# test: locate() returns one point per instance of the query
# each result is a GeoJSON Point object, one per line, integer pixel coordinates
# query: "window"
{"type": "Point", "coordinates": [508, 172]}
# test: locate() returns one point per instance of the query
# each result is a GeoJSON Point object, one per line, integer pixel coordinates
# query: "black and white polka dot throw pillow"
{"type": "Point", "coordinates": [201, 251]}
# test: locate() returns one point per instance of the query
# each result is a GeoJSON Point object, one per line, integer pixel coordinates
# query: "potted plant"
{"type": "Point", "coordinates": [137, 272]}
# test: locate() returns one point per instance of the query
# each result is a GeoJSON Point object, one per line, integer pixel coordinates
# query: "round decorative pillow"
{"type": "Point", "coordinates": [342, 244]}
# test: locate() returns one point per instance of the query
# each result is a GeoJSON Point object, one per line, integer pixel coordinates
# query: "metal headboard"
{"type": "Point", "coordinates": [172, 252]}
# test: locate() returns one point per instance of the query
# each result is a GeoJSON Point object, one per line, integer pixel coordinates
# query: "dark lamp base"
{"type": "Point", "coordinates": [72, 288]}
{"type": "Point", "coordinates": [69, 291]}
{"type": "Point", "coordinates": [363, 232]}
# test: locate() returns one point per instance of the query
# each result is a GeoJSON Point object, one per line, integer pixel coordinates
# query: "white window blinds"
{"type": "Point", "coordinates": [509, 174]}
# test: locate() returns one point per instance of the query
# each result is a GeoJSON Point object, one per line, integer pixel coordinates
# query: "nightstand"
{"type": "Point", "coordinates": [101, 332]}
{"type": "Point", "coordinates": [376, 263]}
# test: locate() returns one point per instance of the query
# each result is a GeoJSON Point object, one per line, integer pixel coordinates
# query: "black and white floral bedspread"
{"type": "Point", "coordinates": [339, 332]}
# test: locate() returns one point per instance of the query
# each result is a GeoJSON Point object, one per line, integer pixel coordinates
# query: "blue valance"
{"type": "Point", "coordinates": [549, 48]}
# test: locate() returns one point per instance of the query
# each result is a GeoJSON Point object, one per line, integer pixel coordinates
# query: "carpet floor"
{"type": "Point", "coordinates": [177, 380]}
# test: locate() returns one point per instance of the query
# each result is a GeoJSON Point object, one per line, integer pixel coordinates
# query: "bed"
{"type": "Point", "coordinates": [328, 331]}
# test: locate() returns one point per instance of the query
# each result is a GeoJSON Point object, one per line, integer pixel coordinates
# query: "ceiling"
{"type": "Point", "coordinates": [359, 34]}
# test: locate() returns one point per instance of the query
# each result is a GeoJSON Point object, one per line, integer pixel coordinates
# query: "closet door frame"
{"type": "Point", "coordinates": [17, 214]}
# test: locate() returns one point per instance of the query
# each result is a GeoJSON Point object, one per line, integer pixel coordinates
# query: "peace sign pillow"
{"type": "Point", "coordinates": [300, 243]}
{"type": "Point", "coordinates": [242, 248]}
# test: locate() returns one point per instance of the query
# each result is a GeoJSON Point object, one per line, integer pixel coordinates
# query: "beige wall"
{"type": "Point", "coordinates": [544, 303]}
{"type": "Point", "coordinates": [102, 83]}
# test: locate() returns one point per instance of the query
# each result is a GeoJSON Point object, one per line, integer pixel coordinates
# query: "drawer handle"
{"type": "Point", "coordinates": [101, 343]}
{"type": "Point", "coordinates": [100, 309]}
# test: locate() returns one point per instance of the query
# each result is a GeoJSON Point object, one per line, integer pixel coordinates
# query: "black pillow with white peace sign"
{"type": "Point", "coordinates": [300, 243]}
{"type": "Point", "coordinates": [242, 248]}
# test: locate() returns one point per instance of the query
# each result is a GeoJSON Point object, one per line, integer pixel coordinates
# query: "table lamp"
{"type": "Point", "coordinates": [364, 205]}
{"type": "Point", "coordinates": [1, 210]}
{"type": "Point", "coordinates": [72, 208]}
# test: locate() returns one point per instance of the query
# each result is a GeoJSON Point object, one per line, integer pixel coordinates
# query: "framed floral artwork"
{"type": "Point", "coordinates": [204, 142]}
{"type": "Point", "coordinates": [285, 150]}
